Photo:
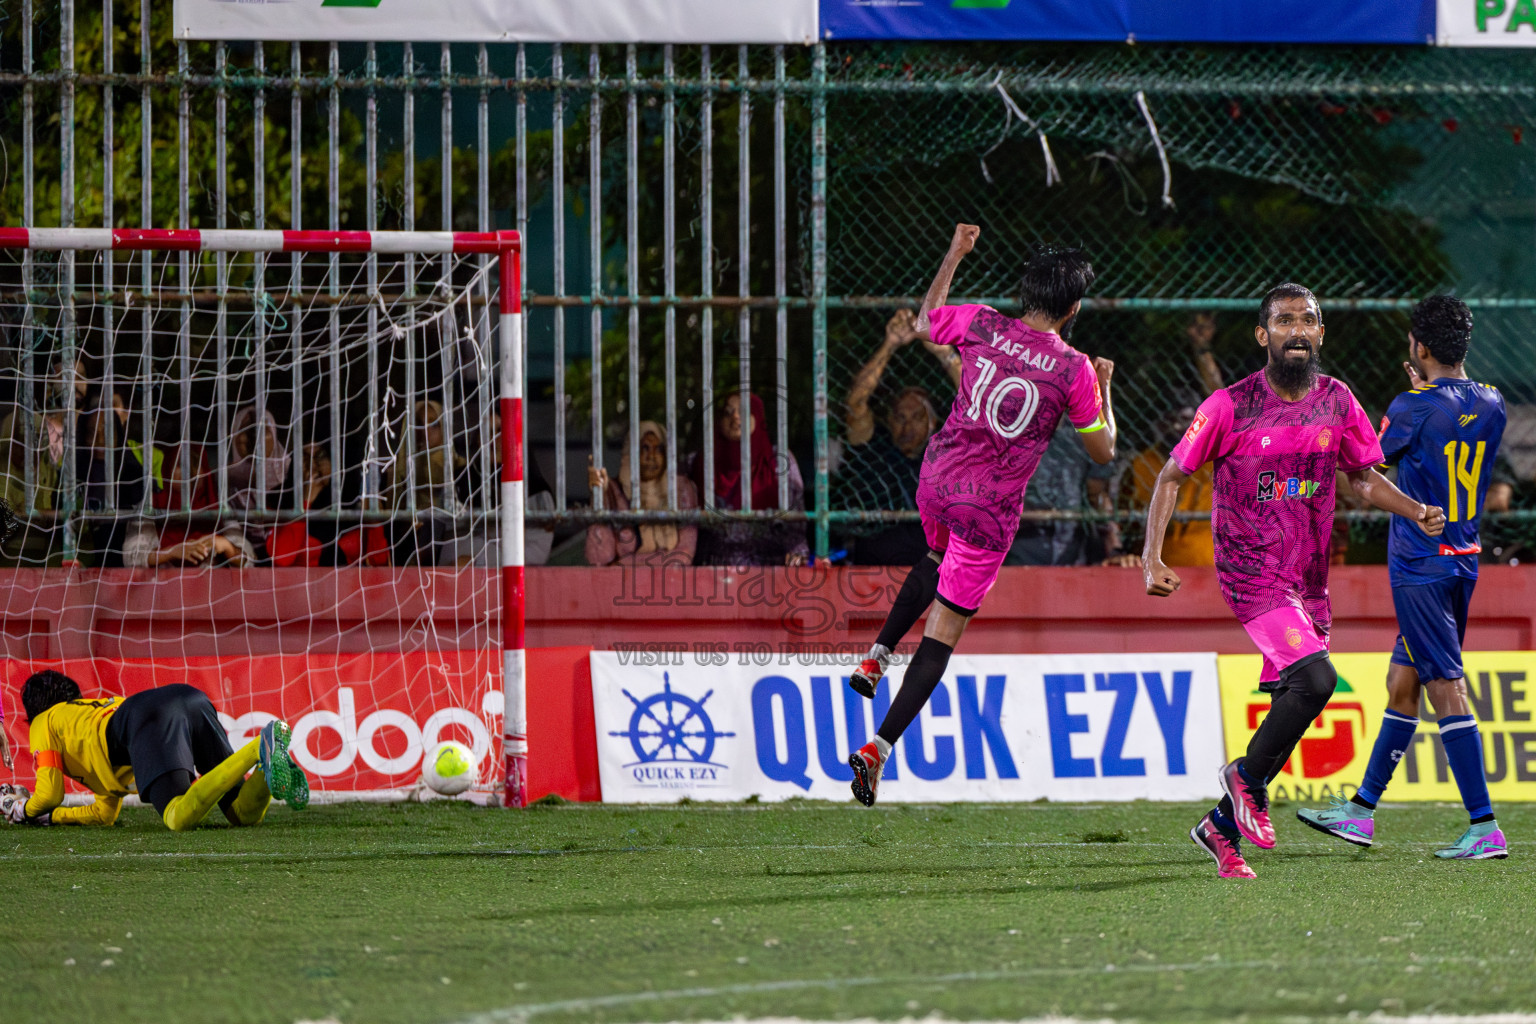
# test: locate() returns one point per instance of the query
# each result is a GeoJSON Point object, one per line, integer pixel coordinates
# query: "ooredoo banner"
{"type": "Point", "coordinates": [360, 722]}
{"type": "Point", "coordinates": [1331, 758]}
{"type": "Point", "coordinates": [717, 726]}
{"type": "Point", "coordinates": [505, 21]}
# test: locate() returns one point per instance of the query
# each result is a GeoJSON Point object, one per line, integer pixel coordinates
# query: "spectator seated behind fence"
{"type": "Point", "coordinates": [1189, 541]}
{"type": "Point", "coordinates": [423, 538]}
{"type": "Point", "coordinates": [1512, 542]}
{"type": "Point", "coordinates": [1068, 480]}
{"type": "Point", "coordinates": [259, 467]}
{"type": "Point", "coordinates": [186, 542]}
{"type": "Point", "coordinates": [746, 542]}
{"type": "Point", "coordinates": [882, 460]}
{"type": "Point", "coordinates": [480, 491]}
{"type": "Point", "coordinates": [645, 543]}
{"type": "Point", "coordinates": [41, 438]}
{"type": "Point", "coordinates": [319, 540]}
{"type": "Point", "coordinates": [137, 471]}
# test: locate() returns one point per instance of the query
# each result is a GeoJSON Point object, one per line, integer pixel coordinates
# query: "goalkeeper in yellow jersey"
{"type": "Point", "coordinates": [166, 743]}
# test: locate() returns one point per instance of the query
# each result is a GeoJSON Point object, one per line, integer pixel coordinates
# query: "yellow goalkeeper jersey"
{"type": "Point", "coordinates": [71, 739]}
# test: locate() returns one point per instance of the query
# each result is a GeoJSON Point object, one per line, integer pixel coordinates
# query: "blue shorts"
{"type": "Point", "coordinates": [1431, 621]}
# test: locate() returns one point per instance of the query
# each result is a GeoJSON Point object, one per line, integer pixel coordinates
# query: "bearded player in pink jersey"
{"type": "Point", "coordinates": [1277, 438]}
{"type": "Point", "coordinates": [1018, 378]}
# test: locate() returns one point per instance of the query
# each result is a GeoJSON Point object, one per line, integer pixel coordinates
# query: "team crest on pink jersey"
{"type": "Point", "coordinates": [1325, 438]}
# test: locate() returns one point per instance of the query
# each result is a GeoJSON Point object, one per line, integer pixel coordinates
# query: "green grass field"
{"type": "Point", "coordinates": [447, 912]}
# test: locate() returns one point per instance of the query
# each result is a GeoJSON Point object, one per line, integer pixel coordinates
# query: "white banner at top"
{"type": "Point", "coordinates": [1485, 23]}
{"type": "Point", "coordinates": [501, 21]}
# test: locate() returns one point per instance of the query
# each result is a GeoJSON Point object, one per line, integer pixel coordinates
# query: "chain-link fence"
{"type": "Point", "coordinates": [1196, 178]}
{"type": "Point", "coordinates": [702, 222]}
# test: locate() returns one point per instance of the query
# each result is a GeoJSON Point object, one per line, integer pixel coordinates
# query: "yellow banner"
{"type": "Point", "coordinates": [1331, 758]}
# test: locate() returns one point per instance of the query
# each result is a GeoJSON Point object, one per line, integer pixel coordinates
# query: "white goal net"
{"type": "Point", "coordinates": [270, 465]}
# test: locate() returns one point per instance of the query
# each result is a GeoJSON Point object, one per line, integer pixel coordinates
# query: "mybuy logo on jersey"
{"type": "Point", "coordinates": [1273, 488]}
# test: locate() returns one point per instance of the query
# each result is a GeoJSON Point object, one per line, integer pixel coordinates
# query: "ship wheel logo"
{"type": "Point", "coordinates": [671, 727]}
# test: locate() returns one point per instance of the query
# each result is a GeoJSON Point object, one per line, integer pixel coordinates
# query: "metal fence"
{"type": "Point", "coordinates": [703, 222]}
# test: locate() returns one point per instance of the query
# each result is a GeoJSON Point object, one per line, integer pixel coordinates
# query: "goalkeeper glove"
{"type": "Point", "coordinates": [13, 806]}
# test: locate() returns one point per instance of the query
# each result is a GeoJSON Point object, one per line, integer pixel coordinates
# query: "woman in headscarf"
{"type": "Point", "coordinates": [246, 450]}
{"type": "Point", "coordinates": [647, 543]}
{"type": "Point", "coordinates": [113, 543]}
{"type": "Point", "coordinates": [748, 542]}
{"type": "Point", "coordinates": [254, 444]}
{"type": "Point", "coordinates": [40, 541]}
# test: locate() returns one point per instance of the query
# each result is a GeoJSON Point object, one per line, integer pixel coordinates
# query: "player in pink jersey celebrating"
{"type": "Point", "coordinates": [1277, 438]}
{"type": "Point", "coordinates": [1018, 378]}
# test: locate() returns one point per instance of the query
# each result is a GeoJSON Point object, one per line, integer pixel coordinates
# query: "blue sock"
{"type": "Point", "coordinates": [1464, 750]}
{"type": "Point", "coordinates": [1221, 815]}
{"type": "Point", "coordinates": [1395, 736]}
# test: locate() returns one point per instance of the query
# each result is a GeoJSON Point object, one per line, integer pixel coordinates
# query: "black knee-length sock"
{"type": "Point", "coordinates": [917, 685]}
{"type": "Point", "coordinates": [916, 594]}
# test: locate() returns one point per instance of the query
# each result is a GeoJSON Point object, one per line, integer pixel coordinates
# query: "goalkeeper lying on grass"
{"type": "Point", "coordinates": [157, 742]}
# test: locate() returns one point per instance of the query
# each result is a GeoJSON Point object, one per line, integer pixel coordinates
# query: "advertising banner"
{"type": "Point", "coordinates": [998, 728]}
{"type": "Point", "coordinates": [1191, 21]}
{"type": "Point", "coordinates": [501, 21]}
{"type": "Point", "coordinates": [360, 722]}
{"type": "Point", "coordinates": [1331, 757]}
{"type": "Point", "coordinates": [1486, 23]}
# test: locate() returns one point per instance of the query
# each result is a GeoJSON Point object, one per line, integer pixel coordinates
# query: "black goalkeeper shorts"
{"type": "Point", "coordinates": [167, 729]}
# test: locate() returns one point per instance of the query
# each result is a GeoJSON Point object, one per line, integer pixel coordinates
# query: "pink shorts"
{"type": "Point", "coordinates": [966, 572]}
{"type": "Point", "coordinates": [1284, 636]}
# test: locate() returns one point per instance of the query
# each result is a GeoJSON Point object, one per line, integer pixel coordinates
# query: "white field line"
{"type": "Point", "coordinates": [901, 806]}
{"type": "Point", "coordinates": [537, 852]}
{"type": "Point", "coordinates": [1420, 1018]}
{"type": "Point", "coordinates": [932, 1019]}
{"type": "Point", "coordinates": [1375, 1018]}
{"type": "Point", "coordinates": [525, 1012]}
{"type": "Point", "coordinates": [487, 798]}
{"type": "Point", "coordinates": [1130, 844]}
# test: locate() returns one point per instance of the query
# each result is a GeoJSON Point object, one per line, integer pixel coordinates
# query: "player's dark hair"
{"type": "Point", "coordinates": [1443, 324]}
{"type": "Point", "coordinates": [1288, 290]}
{"type": "Point", "coordinates": [44, 689]}
{"type": "Point", "coordinates": [1054, 281]}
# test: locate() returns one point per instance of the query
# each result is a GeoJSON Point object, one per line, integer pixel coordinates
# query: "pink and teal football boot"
{"type": "Point", "coordinates": [1344, 819]}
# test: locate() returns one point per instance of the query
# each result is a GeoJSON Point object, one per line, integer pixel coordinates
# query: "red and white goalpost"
{"type": "Point", "coordinates": [514, 665]}
{"type": "Point", "coordinates": [375, 348]}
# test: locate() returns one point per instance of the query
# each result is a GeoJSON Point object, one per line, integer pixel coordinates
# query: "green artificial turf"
{"type": "Point", "coordinates": [448, 912]}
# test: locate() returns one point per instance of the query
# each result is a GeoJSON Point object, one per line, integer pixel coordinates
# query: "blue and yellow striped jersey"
{"type": "Point", "coordinates": [1443, 438]}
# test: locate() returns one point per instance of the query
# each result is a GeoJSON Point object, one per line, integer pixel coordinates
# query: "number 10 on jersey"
{"type": "Point", "coordinates": [1456, 472]}
{"type": "Point", "coordinates": [993, 402]}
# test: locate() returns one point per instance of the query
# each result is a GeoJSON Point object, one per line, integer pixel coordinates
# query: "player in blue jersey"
{"type": "Point", "coordinates": [1443, 436]}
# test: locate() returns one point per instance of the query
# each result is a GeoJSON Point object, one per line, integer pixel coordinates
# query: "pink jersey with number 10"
{"type": "Point", "coordinates": [1015, 384]}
